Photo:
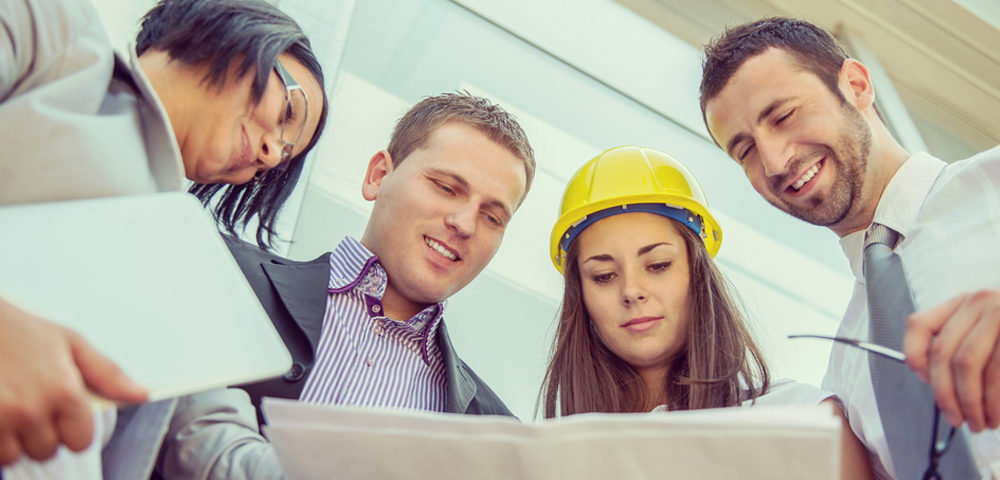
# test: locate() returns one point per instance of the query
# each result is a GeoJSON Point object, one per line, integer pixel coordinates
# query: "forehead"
{"type": "Point", "coordinates": [761, 79]}
{"type": "Point", "coordinates": [465, 151]}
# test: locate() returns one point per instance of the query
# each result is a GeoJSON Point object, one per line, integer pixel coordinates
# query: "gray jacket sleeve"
{"type": "Point", "coordinates": [214, 435]}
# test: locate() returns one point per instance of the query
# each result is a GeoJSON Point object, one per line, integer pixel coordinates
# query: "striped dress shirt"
{"type": "Point", "coordinates": [365, 358]}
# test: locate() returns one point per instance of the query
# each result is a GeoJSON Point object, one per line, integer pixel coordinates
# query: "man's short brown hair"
{"type": "Point", "coordinates": [413, 130]}
{"type": "Point", "coordinates": [812, 47]}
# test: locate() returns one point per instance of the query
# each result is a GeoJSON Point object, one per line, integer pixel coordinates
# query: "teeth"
{"type": "Point", "coordinates": [440, 249]}
{"type": "Point", "coordinates": [806, 177]}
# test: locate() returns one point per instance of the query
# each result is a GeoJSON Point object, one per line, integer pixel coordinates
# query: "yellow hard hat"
{"type": "Point", "coordinates": [632, 179]}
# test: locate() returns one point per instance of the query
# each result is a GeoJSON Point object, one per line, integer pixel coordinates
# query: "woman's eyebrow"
{"type": "Point", "coordinates": [600, 258]}
{"type": "Point", "coordinates": [650, 247]}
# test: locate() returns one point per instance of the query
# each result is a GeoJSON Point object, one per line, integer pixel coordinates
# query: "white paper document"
{"type": "Point", "coordinates": [149, 282]}
{"type": "Point", "coordinates": [734, 443]}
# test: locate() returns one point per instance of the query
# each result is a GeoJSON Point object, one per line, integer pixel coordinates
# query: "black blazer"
{"type": "Point", "coordinates": [294, 295]}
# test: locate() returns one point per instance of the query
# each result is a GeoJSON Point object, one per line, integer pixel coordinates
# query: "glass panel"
{"type": "Point", "coordinates": [399, 51]}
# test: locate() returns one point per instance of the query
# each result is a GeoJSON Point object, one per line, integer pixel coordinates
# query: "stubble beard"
{"type": "Point", "coordinates": [850, 157]}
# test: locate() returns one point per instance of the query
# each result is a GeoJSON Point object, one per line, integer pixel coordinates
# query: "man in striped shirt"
{"type": "Point", "coordinates": [364, 322]}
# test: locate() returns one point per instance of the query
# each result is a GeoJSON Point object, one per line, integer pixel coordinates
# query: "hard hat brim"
{"type": "Point", "coordinates": [712, 233]}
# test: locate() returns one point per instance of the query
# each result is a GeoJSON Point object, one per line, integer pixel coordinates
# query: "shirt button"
{"type": "Point", "coordinates": [369, 361]}
{"type": "Point", "coordinates": [295, 373]}
{"type": "Point", "coordinates": [376, 308]}
{"type": "Point", "coordinates": [379, 330]}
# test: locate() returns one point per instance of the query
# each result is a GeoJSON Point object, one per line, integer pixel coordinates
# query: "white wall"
{"type": "Point", "coordinates": [121, 18]}
{"type": "Point", "coordinates": [578, 84]}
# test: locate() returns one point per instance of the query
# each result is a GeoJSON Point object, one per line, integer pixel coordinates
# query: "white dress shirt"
{"type": "Point", "coordinates": [949, 218]}
{"type": "Point", "coordinates": [782, 393]}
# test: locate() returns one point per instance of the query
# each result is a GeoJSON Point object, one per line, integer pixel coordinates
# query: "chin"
{"type": "Point", "coordinates": [434, 297]}
{"type": "Point", "coordinates": [239, 177]}
{"type": "Point", "coordinates": [244, 180]}
{"type": "Point", "coordinates": [424, 294]}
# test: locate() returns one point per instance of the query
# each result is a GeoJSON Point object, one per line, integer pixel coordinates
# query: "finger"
{"type": "Point", "coordinates": [942, 350]}
{"type": "Point", "coordinates": [75, 424]}
{"type": "Point", "coordinates": [991, 379]}
{"type": "Point", "coordinates": [102, 376]}
{"type": "Point", "coordinates": [10, 448]}
{"type": "Point", "coordinates": [921, 327]}
{"type": "Point", "coordinates": [39, 439]}
{"type": "Point", "coordinates": [969, 365]}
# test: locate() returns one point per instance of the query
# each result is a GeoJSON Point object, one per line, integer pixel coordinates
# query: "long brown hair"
{"type": "Point", "coordinates": [719, 365]}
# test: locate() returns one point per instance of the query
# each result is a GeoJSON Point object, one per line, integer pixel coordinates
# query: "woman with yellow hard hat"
{"type": "Point", "coordinates": [647, 322]}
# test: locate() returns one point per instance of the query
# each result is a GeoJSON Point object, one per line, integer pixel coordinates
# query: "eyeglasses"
{"type": "Point", "coordinates": [939, 446]}
{"type": "Point", "coordinates": [293, 118]}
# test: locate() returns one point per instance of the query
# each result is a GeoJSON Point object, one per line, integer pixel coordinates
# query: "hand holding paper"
{"type": "Point", "coordinates": [48, 371]}
{"type": "Point", "coordinates": [148, 282]}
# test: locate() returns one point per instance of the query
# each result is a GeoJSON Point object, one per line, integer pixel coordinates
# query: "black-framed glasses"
{"type": "Point", "coordinates": [939, 446]}
{"type": "Point", "coordinates": [293, 117]}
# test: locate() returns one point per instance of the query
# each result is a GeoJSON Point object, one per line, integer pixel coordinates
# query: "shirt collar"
{"type": "Point", "coordinates": [350, 263]}
{"type": "Point", "coordinates": [355, 268]}
{"type": "Point", "coordinates": [430, 319]}
{"type": "Point", "coordinates": [171, 175]}
{"type": "Point", "coordinates": [899, 204]}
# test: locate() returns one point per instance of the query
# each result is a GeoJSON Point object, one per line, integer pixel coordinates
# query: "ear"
{"type": "Point", "coordinates": [379, 167]}
{"type": "Point", "coordinates": [856, 84]}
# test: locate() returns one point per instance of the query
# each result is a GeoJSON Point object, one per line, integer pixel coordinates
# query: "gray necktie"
{"type": "Point", "coordinates": [905, 403]}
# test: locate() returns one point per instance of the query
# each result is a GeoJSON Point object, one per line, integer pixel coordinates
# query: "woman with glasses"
{"type": "Point", "coordinates": [647, 322]}
{"type": "Point", "coordinates": [248, 101]}
{"type": "Point", "coordinates": [224, 93]}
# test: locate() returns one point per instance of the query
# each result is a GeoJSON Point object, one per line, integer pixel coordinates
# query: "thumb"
{"type": "Point", "coordinates": [921, 327]}
{"type": "Point", "coordinates": [102, 376]}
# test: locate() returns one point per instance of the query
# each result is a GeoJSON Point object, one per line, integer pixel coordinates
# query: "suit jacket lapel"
{"type": "Point", "coordinates": [460, 387]}
{"type": "Point", "coordinates": [303, 289]}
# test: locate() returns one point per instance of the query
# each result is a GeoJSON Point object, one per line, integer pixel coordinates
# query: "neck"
{"type": "Point", "coordinates": [654, 382]}
{"type": "Point", "coordinates": [165, 78]}
{"type": "Point", "coordinates": [397, 306]}
{"type": "Point", "coordinates": [886, 157]}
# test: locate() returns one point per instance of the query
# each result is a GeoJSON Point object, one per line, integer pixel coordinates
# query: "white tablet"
{"type": "Point", "coordinates": [149, 282]}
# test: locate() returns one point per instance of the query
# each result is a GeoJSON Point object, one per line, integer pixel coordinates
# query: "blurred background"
{"type": "Point", "coordinates": [586, 75]}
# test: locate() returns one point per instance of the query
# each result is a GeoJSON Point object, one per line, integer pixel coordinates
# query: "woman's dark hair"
{"type": "Point", "coordinates": [718, 366]}
{"type": "Point", "coordinates": [219, 32]}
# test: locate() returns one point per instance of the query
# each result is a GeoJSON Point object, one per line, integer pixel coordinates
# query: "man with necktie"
{"type": "Point", "coordinates": [782, 98]}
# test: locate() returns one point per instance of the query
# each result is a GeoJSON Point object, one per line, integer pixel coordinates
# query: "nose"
{"type": "Point", "coordinates": [462, 220]}
{"type": "Point", "coordinates": [774, 156]}
{"type": "Point", "coordinates": [270, 151]}
{"type": "Point", "coordinates": [632, 290]}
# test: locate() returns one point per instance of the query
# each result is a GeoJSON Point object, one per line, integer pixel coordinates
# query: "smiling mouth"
{"type": "Point", "coordinates": [806, 177]}
{"type": "Point", "coordinates": [439, 248]}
